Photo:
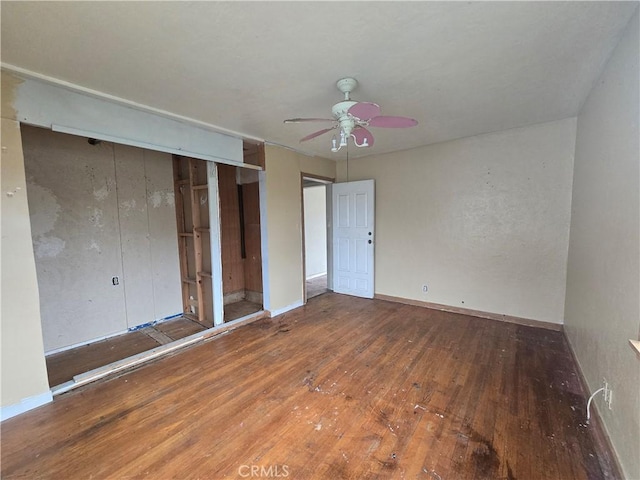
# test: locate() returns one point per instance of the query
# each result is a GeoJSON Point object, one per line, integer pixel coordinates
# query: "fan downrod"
{"type": "Point", "coordinates": [346, 86]}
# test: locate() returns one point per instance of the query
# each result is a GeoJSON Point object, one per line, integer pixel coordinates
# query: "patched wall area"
{"type": "Point", "coordinates": [104, 236]}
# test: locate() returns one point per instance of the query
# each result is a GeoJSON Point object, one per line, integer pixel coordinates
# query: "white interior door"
{"type": "Point", "coordinates": [353, 237]}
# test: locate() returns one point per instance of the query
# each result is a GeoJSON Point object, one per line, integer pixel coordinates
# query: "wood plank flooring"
{"type": "Point", "coordinates": [63, 366]}
{"type": "Point", "coordinates": [179, 328]}
{"type": "Point", "coordinates": [316, 286]}
{"type": "Point", "coordinates": [233, 311]}
{"type": "Point", "coordinates": [343, 388]}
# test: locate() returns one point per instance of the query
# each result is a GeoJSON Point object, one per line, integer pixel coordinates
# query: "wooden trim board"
{"type": "Point", "coordinates": [473, 313]}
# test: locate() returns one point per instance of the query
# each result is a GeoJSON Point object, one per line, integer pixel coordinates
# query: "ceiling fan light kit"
{"type": "Point", "coordinates": [352, 117]}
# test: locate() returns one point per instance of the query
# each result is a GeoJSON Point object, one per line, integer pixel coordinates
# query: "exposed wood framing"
{"type": "Point", "coordinates": [192, 217]}
{"type": "Point", "coordinates": [179, 184]}
{"type": "Point", "coordinates": [197, 236]}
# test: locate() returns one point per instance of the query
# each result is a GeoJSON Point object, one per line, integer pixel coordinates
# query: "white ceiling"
{"type": "Point", "coordinates": [459, 68]}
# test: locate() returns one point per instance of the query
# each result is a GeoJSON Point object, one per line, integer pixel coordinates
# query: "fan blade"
{"type": "Point", "coordinates": [301, 120]}
{"type": "Point", "coordinates": [362, 137]}
{"type": "Point", "coordinates": [392, 122]}
{"type": "Point", "coordinates": [365, 110]}
{"type": "Point", "coordinates": [316, 134]}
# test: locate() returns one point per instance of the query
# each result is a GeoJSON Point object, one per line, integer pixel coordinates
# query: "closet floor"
{"type": "Point", "coordinates": [63, 366]}
{"type": "Point", "coordinates": [233, 311]}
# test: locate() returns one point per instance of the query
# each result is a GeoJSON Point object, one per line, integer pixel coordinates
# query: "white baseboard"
{"type": "Point", "coordinates": [25, 405]}
{"type": "Point", "coordinates": [280, 311]}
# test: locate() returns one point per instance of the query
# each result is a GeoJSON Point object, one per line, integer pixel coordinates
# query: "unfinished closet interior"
{"type": "Point", "coordinates": [239, 238]}
{"type": "Point", "coordinates": [122, 238]}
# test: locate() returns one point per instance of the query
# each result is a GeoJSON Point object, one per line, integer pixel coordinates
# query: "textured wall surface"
{"type": "Point", "coordinates": [603, 281]}
{"type": "Point", "coordinates": [483, 221]}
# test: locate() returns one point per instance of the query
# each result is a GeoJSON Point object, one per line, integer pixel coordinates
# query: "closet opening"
{"type": "Point", "coordinates": [122, 241]}
{"type": "Point", "coordinates": [234, 245]}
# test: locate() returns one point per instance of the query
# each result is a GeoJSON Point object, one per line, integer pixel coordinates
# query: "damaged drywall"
{"type": "Point", "coordinates": [105, 249]}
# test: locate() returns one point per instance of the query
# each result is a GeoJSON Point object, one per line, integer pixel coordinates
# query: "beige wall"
{"type": "Point", "coordinates": [483, 221]}
{"type": "Point", "coordinates": [98, 212]}
{"type": "Point", "coordinates": [603, 281]}
{"type": "Point", "coordinates": [23, 368]}
{"type": "Point", "coordinates": [284, 221]}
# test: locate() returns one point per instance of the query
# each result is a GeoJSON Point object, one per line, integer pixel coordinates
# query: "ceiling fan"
{"type": "Point", "coordinates": [352, 117]}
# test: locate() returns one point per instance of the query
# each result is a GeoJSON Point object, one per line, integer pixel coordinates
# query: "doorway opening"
{"type": "Point", "coordinates": [315, 239]}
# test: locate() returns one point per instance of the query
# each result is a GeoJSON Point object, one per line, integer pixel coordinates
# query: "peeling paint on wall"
{"type": "Point", "coordinates": [43, 219]}
{"type": "Point", "coordinates": [159, 196]}
{"type": "Point", "coordinates": [10, 86]}
{"type": "Point", "coordinates": [95, 247]}
{"type": "Point", "coordinates": [127, 206]}
{"type": "Point", "coordinates": [102, 193]}
{"type": "Point", "coordinates": [156, 199]}
{"type": "Point", "coordinates": [96, 218]}
{"type": "Point", "coordinates": [44, 246]}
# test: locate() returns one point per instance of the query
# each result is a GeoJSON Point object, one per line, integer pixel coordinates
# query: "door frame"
{"type": "Point", "coordinates": [320, 180]}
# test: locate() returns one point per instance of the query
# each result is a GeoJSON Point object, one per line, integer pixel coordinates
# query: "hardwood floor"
{"type": "Point", "coordinates": [63, 366]}
{"type": "Point", "coordinates": [341, 388]}
{"type": "Point", "coordinates": [179, 328]}
{"type": "Point", "coordinates": [316, 286]}
{"type": "Point", "coordinates": [233, 311]}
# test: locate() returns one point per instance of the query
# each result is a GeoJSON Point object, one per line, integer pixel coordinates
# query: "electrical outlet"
{"type": "Point", "coordinates": [425, 288]}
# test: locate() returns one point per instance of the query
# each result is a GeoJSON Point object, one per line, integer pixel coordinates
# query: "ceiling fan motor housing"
{"type": "Point", "coordinates": [339, 112]}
